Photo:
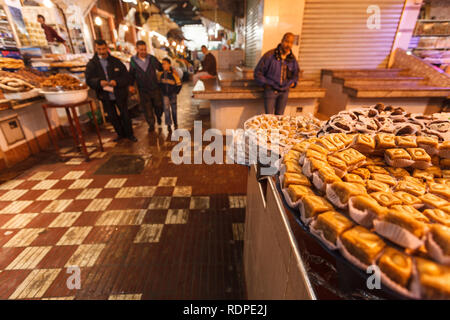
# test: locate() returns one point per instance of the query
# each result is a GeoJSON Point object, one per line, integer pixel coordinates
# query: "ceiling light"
{"type": "Point", "coordinates": [98, 21]}
{"type": "Point", "coordinates": [174, 43]}
{"type": "Point", "coordinates": [48, 3]}
{"type": "Point", "coordinates": [143, 32]}
{"type": "Point", "coordinates": [125, 27]}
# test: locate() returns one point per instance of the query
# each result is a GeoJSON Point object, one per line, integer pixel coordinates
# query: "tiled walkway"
{"type": "Point", "coordinates": [168, 232]}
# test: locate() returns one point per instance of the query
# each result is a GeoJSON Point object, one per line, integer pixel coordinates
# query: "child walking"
{"type": "Point", "coordinates": [170, 86]}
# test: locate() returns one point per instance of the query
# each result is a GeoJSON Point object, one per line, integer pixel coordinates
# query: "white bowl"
{"type": "Point", "coordinates": [66, 97]}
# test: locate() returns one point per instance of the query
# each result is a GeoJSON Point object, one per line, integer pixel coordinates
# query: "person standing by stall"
{"type": "Point", "coordinates": [109, 77]}
{"type": "Point", "coordinates": [209, 66]}
{"type": "Point", "coordinates": [170, 85]}
{"type": "Point", "coordinates": [143, 71]}
{"type": "Point", "coordinates": [277, 71]}
{"type": "Point", "coordinates": [50, 33]}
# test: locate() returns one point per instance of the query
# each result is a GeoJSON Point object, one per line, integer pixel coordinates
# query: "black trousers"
{"type": "Point", "coordinates": [122, 122]}
{"type": "Point", "coordinates": [152, 105]}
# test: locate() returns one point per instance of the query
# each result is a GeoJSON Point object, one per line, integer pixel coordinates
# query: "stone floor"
{"type": "Point", "coordinates": [156, 231]}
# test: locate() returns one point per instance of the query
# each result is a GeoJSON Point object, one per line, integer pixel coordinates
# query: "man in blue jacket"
{"type": "Point", "coordinates": [277, 71]}
{"type": "Point", "coordinates": [144, 70]}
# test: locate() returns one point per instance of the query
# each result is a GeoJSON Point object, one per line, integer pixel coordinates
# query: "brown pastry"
{"type": "Point", "coordinates": [344, 190]}
{"type": "Point", "coordinates": [377, 169]}
{"type": "Point", "coordinates": [367, 203]}
{"type": "Point", "coordinates": [375, 186]}
{"type": "Point", "coordinates": [362, 244]}
{"type": "Point", "coordinates": [345, 138]}
{"type": "Point", "coordinates": [435, 171]}
{"type": "Point", "coordinates": [434, 279]}
{"type": "Point", "coordinates": [313, 205]}
{"type": "Point", "coordinates": [406, 141]}
{"type": "Point", "coordinates": [386, 199]}
{"type": "Point", "coordinates": [433, 201]}
{"type": "Point", "coordinates": [446, 174]}
{"type": "Point", "coordinates": [385, 141]}
{"type": "Point", "coordinates": [332, 224]}
{"type": "Point", "coordinates": [428, 143]}
{"type": "Point", "coordinates": [336, 140]}
{"type": "Point", "coordinates": [421, 158]}
{"type": "Point", "coordinates": [441, 235]}
{"type": "Point", "coordinates": [385, 178]}
{"type": "Point", "coordinates": [301, 147]}
{"type": "Point", "coordinates": [444, 163]}
{"type": "Point", "coordinates": [325, 143]}
{"type": "Point", "coordinates": [338, 164]}
{"type": "Point", "coordinates": [438, 216]}
{"type": "Point", "coordinates": [312, 154]}
{"type": "Point", "coordinates": [423, 174]}
{"type": "Point", "coordinates": [404, 220]}
{"type": "Point", "coordinates": [292, 155]}
{"type": "Point", "coordinates": [396, 265]}
{"type": "Point", "coordinates": [351, 157]}
{"type": "Point", "coordinates": [350, 177]}
{"type": "Point", "coordinates": [411, 187]}
{"type": "Point", "coordinates": [444, 150]}
{"type": "Point", "coordinates": [441, 190]}
{"type": "Point", "coordinates": [398, 172]}
{"type": "Point", "coordinates": [296, 192]}
{"type": "Point", "coordinates": [364, 143]}
{"type": "Point", "coordinates": [293, 167]}
{"type": "Point", "coordinates": [362, 172]}
{"type": "Point", "coordinates": [398, 158]}
{"type": "Point", "coordinates": [327, 175]}
{"type": "Point", "coordinates": [408, 199]}
{"type": "Point", "coordinates": [414, 213]}
{"type": "Point", "coordinates": [295, 178]}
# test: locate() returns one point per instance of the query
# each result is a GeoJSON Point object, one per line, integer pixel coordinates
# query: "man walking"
{"type": "Point", "coordinates": [109, 77]}
{"type": "Point", "coordinates": [209, 66]}
{"type": "Point", "coordinates": [144, 70]}
{"type": "Point", "coordinates": [277, 71]}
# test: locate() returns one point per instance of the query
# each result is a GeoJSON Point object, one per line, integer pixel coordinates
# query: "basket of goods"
{"type": "Point", "coordinates": [11, 63]}
{"type": "Point", "coordinates": [63, 89]}
{"type": "Point", "coordinates": [377, 198]}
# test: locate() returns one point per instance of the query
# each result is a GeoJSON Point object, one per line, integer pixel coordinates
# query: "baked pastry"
{"type": "Point", "coordinates": [434, 279]}
{"type": "Point", "coordinates": [293, 167]}
{"type": "Point", "coordinates": [295, 178]}
{"type": "Point", "coordinates": [406, 141]}
{"type": "Point", "coordinates": [435, 171]}
{"type": "Point", "coordinates": [354, 178]}
{"type": "Point", "coordinates": [377, 169]}
{"type": "Point", "coordinates": [311, 165]}
{"type": "Point", "coordinates": [441, 190]}
{"type": "Point", "coordinates": [411, 187]}
{"type": "Point", "coordinates": [386, 199]}
{"type": "Point", "coordinates": [364, 143]}
{"type": "Point", "coordinates": [444, 150]}
{"type": "Point", "coordinates": [432, 201]}
{"type": "Point", "coordinates": [446, 174]}
{"type": "Point", "coordinates": [398, 158]}
{"type": "Point", "coordinates": [375, 186]}
{"type": "Point", "coordinates": [429, 144]}
{"type": "Point", "coordinates": [441, 235]}
{"type": "Point", "coordinates": [340, 192]}
{"type": "Point", "coordinates": [362, 244]}
{"type": "Point", "coordinates": [324, 176]}
{"type": "Point", "coordinates": [385, 141]}
{"type": "Point", "coordinates": [423, 174]}
{"type": "Point", "coordinates": [325, 143]}
{"type": "Point", "coordinates": [336, 140]}
{"type": "Point", "coordinates": [438, 216]}
{"type": "Point", "coordinates": [398, 172]}
{"type": "Point", "coordinates": [385, 178]}
{"type": "Point", "coordinates": [296, 192]}
{"type": "Point", "coordinates": [318, 148]}
{"type": "Point", "coordinates": [414, 213]}
{"type": "Point", "coordinates": [313, 154]}
{"type": "Point", "coordinates": [421, 159]}
{"type": "Point", "coordinates": [339, 165]}
{"type": "Point", "coordinates": [351, 157]}
{"type": "Point", "coordinates": [332, 224]}
{"type": "Point", "coordinates": [292, 155]}
{"type": "Point", "coordinates": [408, 199]}
{"type": "Point", "coordinates": [347, 139]}
{"type": "Point", "coordinates": [311, 205]}
{"type": "Point", "coordinates": [396, 265]}
{"type": "Point", "coordinates": [362, 172]}
{"type": "Point", "coordinates": [301, 147]}
{"type": "Point", "coordinates": [364, 209]}
{"type": "Point", "coordinates": [405, 221]}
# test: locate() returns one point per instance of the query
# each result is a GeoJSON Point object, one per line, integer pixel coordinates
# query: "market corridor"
{"type": "Point", "coordinates": [136, 225]}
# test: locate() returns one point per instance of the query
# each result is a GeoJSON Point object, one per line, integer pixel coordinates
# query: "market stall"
{"type": "Point", "coordinates": [367, 193]}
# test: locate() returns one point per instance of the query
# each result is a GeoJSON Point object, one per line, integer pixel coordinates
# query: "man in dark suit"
{"type": "Point", "coordinates": [144, 70]}
{"type": "Point", "coordinates": [109, 77]}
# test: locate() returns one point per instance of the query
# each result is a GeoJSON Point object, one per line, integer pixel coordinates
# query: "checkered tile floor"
{"type": "Point", "coordinates": [170, 232]}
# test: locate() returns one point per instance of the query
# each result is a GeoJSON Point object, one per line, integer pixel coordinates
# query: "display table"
{"type": "Point", "coordinates": [284, 261]}
{"type": "Point", "coordinates": [77, 133]}
{"type": "Point", "coordinates": [232, 105]}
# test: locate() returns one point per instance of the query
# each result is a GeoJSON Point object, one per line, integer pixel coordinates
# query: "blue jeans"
{"type": "Point", "coordinates": [170, 103]}
{"type": "Point", "coordinates": [275, 101]}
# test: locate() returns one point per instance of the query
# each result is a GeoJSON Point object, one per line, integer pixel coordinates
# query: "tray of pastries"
{"type": "Point", "coordinates": [377, 199]}
{"type": "Point", "coordinates": [63, 82]}
{"type": "Point", "coordinates": [387, 119]}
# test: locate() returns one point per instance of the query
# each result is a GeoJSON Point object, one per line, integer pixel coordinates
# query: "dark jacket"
{"type": "Point", "coordinates": [209, 64]}
{"type": "Point", "coordinates": [116, 71]}
{"type": "Point", "coordinates": [269, 70]}
{"type": "Point", "coordinates": [169, 82]}
{"type": "Point", "coordinates": [146, 79]}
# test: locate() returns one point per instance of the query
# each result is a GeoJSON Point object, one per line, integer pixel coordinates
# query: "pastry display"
{"type": "Point", "coordinates": [378, 199]}
{"type": "Point", "coordinates": [63, 81]}
{"type": "Point", "coordinates": [11, 63]}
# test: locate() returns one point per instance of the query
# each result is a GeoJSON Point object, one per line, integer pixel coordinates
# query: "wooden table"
{"type": "Point", "coordinates": [77, 133]}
